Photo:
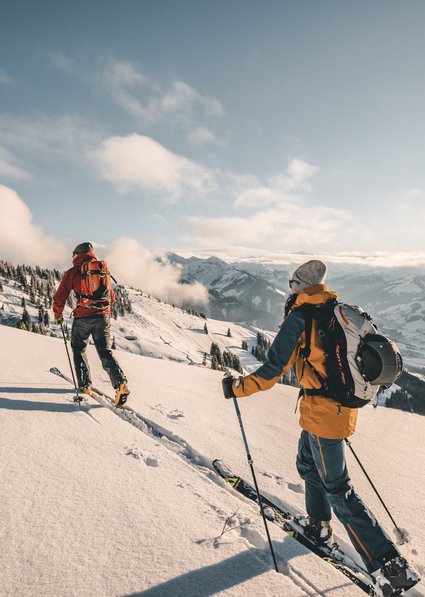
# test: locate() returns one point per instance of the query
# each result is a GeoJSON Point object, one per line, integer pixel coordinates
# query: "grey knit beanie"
{"type": "Point", "coordinates": [308, 274]}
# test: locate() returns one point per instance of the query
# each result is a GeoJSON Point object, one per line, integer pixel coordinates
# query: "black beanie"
{"type": "Point", "coordinates": [83, 248]}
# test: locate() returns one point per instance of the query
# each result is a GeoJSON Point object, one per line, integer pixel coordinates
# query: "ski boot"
{"type": "Point", "coordinates": [121, 394]}
{"type": "Point", "coordinates": [83, 391]}
{"type": "Point", "coordinates": [396, 576]}
{"type": "Point", "coordinates": [319, 531]}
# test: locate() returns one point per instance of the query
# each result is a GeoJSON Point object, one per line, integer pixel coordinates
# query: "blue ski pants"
{"type": "Point", "coordinates": [321, 463]}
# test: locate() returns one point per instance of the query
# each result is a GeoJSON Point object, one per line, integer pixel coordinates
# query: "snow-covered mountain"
{"type": "Point", "coordinates": [235, 293]}
{"type": "Point", "coordinates": [243, 291]}
{"type": "Point", "coordinates": [92, 506]}
{"type": "Point", "coordinates": [395, 298]}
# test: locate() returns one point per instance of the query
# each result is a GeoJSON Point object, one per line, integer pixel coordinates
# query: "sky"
{"type": "Point", "coordinates": [231, 128]}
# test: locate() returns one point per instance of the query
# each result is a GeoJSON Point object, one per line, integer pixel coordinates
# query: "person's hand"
{"type": "Point", "coordinates": [58, 320]}
{"type": "Point", "coordinates": [227, 383]}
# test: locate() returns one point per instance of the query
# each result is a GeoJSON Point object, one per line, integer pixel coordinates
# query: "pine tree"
{"type": "Point", "coordinates": [205, 328]}
{"type": "Point", "coordinates": [114, 346]}
{"type": "Point", "coordinates": [26, 320]}
{"type": "Point", "coordinates": [216, 356]}
{"type": "Point", "coordinates": [229, 333]}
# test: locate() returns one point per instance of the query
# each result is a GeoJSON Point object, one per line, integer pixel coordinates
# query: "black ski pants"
{"type": "Point", "coordinates": [99, 327]}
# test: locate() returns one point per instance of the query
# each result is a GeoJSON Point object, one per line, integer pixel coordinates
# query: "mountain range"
{"type": "Point", "coordinates": [255, 292]}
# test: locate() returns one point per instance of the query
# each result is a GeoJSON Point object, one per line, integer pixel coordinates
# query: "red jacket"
{"type": "Point", "coordinates": [71, 280]}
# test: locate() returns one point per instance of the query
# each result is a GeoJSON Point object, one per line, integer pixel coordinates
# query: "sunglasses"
{"type": "Point", "coordinates": [292, 282]}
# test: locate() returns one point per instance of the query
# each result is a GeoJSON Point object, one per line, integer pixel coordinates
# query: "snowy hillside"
{"type": "Point", "coordinates": [235, 294]}
{"type": "Point", "coordinates": [94, 506]}
{"type": "Point", "coordinates": [153, 328]}
{"type": "Point", "coordinates": [161, 330]}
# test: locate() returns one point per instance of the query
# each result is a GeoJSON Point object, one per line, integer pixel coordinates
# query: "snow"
{"type": "Point", "coordinates": [156, 329]}
{"type": "Point", "coordinates": [93, 505]}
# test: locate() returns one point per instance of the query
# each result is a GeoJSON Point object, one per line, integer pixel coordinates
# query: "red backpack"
{"type": "Point", "coordinates": [95, 285]}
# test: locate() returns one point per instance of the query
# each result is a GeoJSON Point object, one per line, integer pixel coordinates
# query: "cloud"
{"type": "Point", "coordinates": [298, 175]}
{"type": "Point", "coordinates": [280, 189]}
{"type": "Point", "coordinates": [150, 101]}
{"type": "Point", "coordinates": [5, 79]}
{"type": "Point", "coordinates": [413, 193]}
{"type": "Point", "coordinates": [181, 98]}
{"type": "Point", "coordinates": [44, 138]}
{"type": "Point", "coordinates": [21, 241]}
{"type": "Point", "coordinates": [297, 226]}
{"type": "Point", "coordinates": [10, 170]}
{"type": "Point", "coordinates": [201, 136]}
{"type": "Point", "coordinates": [137, 161]}
{"type": "Point", "coordinates": [384, 259]}
{"type": "Point", "coordinates": [121, 81]}
{"type": "Point", "coordinates": [147, 100]}
{"type": "Point", "coordinates": [133, 265]}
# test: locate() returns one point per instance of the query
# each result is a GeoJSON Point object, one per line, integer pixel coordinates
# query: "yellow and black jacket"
{"type": "Point", "coordinates": [318, 415]}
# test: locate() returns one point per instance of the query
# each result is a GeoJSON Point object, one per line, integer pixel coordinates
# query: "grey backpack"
{"type": "Point", "coordinates": [358, 360]}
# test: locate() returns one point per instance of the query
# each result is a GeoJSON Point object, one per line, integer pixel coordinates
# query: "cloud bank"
{"type": "Point", "coordinates": [21, 241]}
{"type": "Point", "coordinates": [133, 265]}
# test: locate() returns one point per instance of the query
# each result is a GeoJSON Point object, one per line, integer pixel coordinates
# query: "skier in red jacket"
{"type": "Point", "coordinates": [90, 280]}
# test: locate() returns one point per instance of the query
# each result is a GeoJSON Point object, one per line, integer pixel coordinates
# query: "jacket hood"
{"type": "Point", "coordinates": [80, 258]}
{"type": "Point", "coordinates": [315, 295]}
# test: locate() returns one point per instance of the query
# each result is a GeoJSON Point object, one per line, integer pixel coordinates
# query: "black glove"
{"type": "Point", "coordinates": [227, 383]}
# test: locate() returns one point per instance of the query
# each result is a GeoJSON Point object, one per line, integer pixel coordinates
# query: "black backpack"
{"type": "Point", "coordinates": [358, 360]}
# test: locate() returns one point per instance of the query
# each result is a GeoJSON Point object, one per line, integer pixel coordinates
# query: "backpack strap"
{"type": "Point", "coordinates": [308, 312]}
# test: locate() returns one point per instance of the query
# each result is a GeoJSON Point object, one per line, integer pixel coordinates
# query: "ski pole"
{"type": "Point", "coordinates": [69, 360]}
{"type": "Point", "coordinates": [347, 441]}
{"type": "Point", "coordinates": [250, 462]}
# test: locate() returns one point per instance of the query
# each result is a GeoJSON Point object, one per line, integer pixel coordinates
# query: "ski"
{"type": "Point", "coordinates": [95, 393]}
{"type": "Point", "coordinates": [288, 523]}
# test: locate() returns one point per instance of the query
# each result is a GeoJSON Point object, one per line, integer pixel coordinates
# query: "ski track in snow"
{"type": "Point", "coordinates": [252, 537]}
{"type": "Point", "coordinates": [174, 414]}
{"type": "Point", "coordinates": [168, 439]}
{"type": "Point", "coordinates": [254, 541]}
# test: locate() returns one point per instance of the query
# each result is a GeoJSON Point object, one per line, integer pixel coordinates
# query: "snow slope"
{"type": "Point", "coordinates": [154, 328]}
{"type": "Point", "coordinates": [94, 506]}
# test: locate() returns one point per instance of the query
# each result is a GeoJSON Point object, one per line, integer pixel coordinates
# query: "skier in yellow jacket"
{"type": "Point", "coordinates": [325, 424]}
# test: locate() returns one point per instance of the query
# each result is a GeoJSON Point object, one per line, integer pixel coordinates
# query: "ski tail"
{"type": "Point", "coordinates": [287, 522]}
